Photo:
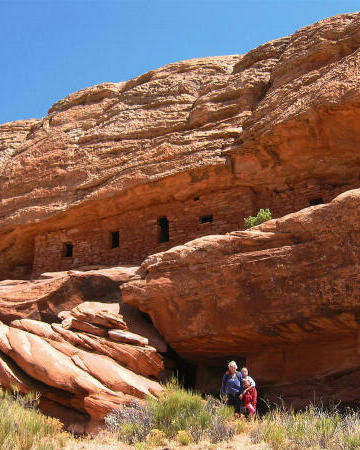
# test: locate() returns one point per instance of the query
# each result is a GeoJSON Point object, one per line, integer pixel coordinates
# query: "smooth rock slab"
{"type": "Point", "coordinates": [79, 325]}
{"type": "Point", "coordinates": [127, 337]}
{"type": "Point", "coordinates": [67, 375]}
{"type": "Point", "coordinates": [96, 313]}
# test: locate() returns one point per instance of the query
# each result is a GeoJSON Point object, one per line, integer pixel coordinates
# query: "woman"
{"type": "Point", "coordinates": [231, 387]}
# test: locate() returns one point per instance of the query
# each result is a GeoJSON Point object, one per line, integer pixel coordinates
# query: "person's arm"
{"type": "Point", "coordinates": [240, 378]}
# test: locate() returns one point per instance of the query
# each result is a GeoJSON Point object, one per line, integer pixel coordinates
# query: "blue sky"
{"type": "Point", "coordinates": [51, 48]}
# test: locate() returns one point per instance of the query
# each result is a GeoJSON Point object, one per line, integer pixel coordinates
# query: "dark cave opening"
{"type": "Point", "coordinates": [184, 371]}
{"type": "Point", "coordinates": [203, 375]}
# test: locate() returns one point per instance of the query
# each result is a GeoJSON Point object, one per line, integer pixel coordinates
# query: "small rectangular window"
{"type": "Point", "coordinates": [206, 219]}
{"type": "Point", "coordinates": [316, 201]}
{"type": "Point", "coordinates": [163, 229]}
{"type": "Point", "coordinates": [68, 250]}
{"type": "Point", "coordinates": [115, 239]}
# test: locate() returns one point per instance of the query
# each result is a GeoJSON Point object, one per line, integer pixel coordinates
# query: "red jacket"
{"type": "Point", "coordinates": [250, 396]}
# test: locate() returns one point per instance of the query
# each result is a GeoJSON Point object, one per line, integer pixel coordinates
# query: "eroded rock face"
{"type": "Point", "coordinates": [219, 136]}
{"type": "Point", "coordinates": [88, 362]}
{"type": "Point", "coordinates": [282, 296]}
{"type": "Point", "coordinates": [44, 299]}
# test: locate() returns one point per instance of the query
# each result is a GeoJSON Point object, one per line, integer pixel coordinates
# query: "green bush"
{"type": "Point", "coordinates": [22, 427]}
{"type": "Point", "coordinates": [352, 441]}
{"type": "Point", "coordinates": [130, 432]}
{"type": "Point", "coordinates": [156, 437]}
{"type": "Point", "coordinates": [262, 216]}
{"type": "Point", "coordinates": [184, 437]}
{"type": "Point", "coordinates": [176, 410]}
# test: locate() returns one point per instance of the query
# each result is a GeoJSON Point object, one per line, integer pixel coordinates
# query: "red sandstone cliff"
{"type": "Point", "coordinates": [200, 143]}
{"type": "Point", "coordinates": [219, 137]}
{"type": "Point", "coordinates": [283, 296]}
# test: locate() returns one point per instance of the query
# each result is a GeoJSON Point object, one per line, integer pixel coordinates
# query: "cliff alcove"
{"type": "Point", "coordinates": [140, 204]}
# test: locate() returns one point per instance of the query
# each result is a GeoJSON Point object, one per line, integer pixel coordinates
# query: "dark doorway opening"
{"type": "Point", "coordinates": [68, 250]}
{"type": "Point", "coordinates": [316, 201]}
{"type": "Point", "coordinates": [115, 239]}
{"type": "Point", "coordinates": [206, 219]}
{"type": "Point", "coordinates": [163, 229]}
{"type": "Point", "coordinates": [184, 371]}
{"type": "Point", "coordinates": [175, 365]}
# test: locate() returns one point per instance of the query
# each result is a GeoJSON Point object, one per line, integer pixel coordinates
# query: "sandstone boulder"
{"type": "Point", "coordinates": [87, 327]}
{"type": "Point", "coordinates": [45, 299]}
{"type": "Point", "coordinates": [79, 370]}
{"type": "Point", "coordinates": [101, 314]}
{"type": "Point", "coordinates": [69, 374]}
{"type": "Point", "coordinates": [127, 337]}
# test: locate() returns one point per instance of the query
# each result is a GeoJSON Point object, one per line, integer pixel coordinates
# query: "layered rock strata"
{"type": "Point", "coordinates": [282, 297]}
{"type": "Point", "coordinates": [188, 150]}
{"type": "Point", "coordinates": [88, 362]}
{"type": "Point", "coordinates": [200, 143]}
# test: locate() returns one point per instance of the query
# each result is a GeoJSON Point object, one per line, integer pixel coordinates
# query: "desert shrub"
{"type": "Point", "coordinates": [156, 437]}
{"type": "Point", "coordinates": [184, 437]}
{"type": "Point", "coordinates": [274, 433]}
{"type": "Point", "coordinates": [132, 423]}
{"type": "Point", "coordinates": [313, 428]}
{"type": "Point", "coordinates": [176, 410]}
{"type": "Point", "coordinates": [141, 446]}
{"type": "Point", "coordinates": [242, 426]}
{"type": "Point", "coordinates": [224, 412]}
{"type": "Point", "coordinates": [351, 441]}
{"type": "Point", "coordinates": [23, 427]}
{"type": "Point", "coordinates": [220, 430]}
{"type": "Point", "coordinates": [28, 401]}
{"type": "Point", "coordinates": [262, 216]}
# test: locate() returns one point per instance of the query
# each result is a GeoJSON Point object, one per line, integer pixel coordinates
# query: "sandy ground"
{"type": "Point", "coordinates": [106, 442]}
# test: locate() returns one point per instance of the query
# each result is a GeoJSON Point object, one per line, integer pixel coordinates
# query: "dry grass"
{"type": "Point", "coordinates": [105, 441]}
{"type": "Point", "coordinates": [23, 427]}
{"type": "Point", "coordinates": [312, 429]}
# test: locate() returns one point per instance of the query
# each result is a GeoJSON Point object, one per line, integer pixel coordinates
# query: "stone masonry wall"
{"type": "Point", "coordinates": [139, 230]}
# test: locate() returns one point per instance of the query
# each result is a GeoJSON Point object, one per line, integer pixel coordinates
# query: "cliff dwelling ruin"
{"type": "Point", "coordinates": [126, 239]}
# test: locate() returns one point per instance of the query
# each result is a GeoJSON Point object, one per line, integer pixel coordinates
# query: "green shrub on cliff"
{"type": "Point", "coordinates": [262, 216]}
